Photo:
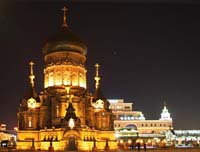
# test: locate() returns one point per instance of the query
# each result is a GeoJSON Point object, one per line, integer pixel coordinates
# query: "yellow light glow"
{"type": "Point", "coordinates": [51, 82]}
{"type": "Point", "coordinates": [149, 141]}
{"type": "Point", "coordinates": [71, 123]}
{"type": "Point", "coordinates": [58, 79]}
{"type": "Point", "coordinates": [121, 141]}
{"type": "Point", "coordinates": [58, 82]}
{"type": "Point", "coordinates": [81, 84]}
{"type": "Point", "coordinates": [99, 104]}
{"type": "Point", "coordinates": [164, 141]}
{"type": "Point", "coordinates": [67, 89]}
{"type": "Point", "coordinates": [31, 103]}
{"type": "Point", "coordinates": [129, 141]}
{"type": "Point", "coordinates": [51, 79]}
{"type": "Point", "coordinates": [158, 140]}
{"type": "Point", "coordinates": [75, 82]}
{"type": "Point", "coordinates": [16, 128]}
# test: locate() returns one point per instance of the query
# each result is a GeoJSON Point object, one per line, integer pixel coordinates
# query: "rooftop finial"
{"type": "Point", "coordinates": [64, 16]}
{"type": "Point", "coordinates": [31, 76]}
{"type": "Point", "coordinates": [97, 78]}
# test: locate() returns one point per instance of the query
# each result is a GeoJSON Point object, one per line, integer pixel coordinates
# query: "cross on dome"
{"type": "Point", "coordinates": [64, 16]}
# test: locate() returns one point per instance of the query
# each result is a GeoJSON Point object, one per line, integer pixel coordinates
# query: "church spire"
{"type": "Point", "coordinates": [31, 76]}
{"type": "Point", "coordinates": [165, 102]}
{"type": "Point", "coordinates": [64, 16]}
{"type": "Point", "coordinates": [97, 78]}
{"type": "Point", "coordinates": [165, 115]}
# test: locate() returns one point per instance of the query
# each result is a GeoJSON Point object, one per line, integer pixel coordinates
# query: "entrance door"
{"type": "Point", "coordinates": [72, 144]}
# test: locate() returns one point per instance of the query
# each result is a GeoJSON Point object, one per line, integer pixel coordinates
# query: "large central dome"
{"type": "Point", "coordinates": [64, 40]}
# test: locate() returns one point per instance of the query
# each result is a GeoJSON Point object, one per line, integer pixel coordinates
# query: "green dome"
{"type": "Point", "coordinates": [64, 40]}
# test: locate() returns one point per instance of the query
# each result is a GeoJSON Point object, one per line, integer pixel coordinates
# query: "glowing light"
{"type": "Point", "coordinates": [51, 80]}
{"type": "Point", "coordinates": [29, 121]}
{"type": "Point", "coordinates": [99, 104]}
{"type": "Point", "coordinates": [58, 79]}
{"type": "Point", "coordinates": [116, 135]}
{"type": "Point", "coordinates": [139, 141]}
{"type": "Point", "coordinates": [67, 89]}
{"type": "Point", "coordinates": [16, 128]}
{"type": "Point", "coordinates": [31, 103]}
{"type": "Point", "coordinates": [71, 123]}
{"type": "Point", "coordinates": [75, 83]}
{"type": "Point", "coordinates": [149, 141]}
{"type": "Point", "coordinates": [129, 141]}
{"type": "Point", "coordinates": [121, 141]}
{"type": "Point", "coordinates": [157, 140]}
{"type": "Point", "coordinates": [81, 83]}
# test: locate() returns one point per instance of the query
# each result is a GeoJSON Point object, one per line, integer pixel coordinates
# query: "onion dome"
{"type": "Point", "coordinates": [64, 40]}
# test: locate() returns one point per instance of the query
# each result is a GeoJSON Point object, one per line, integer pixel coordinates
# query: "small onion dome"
{"type": "Point", "coordinates": [64, 40]}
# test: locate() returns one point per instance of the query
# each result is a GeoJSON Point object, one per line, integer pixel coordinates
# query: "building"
{"type": "Point", "coordinates": [64, 115]}
{"type": "Point", "coordinates": [131, 125]}
{"type": "Point", "coordinates": [187, 138]}
{"type": "Point", "coordinates": [7, 137]}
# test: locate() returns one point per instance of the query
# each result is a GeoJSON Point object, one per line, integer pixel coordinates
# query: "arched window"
{"type": "Point", "coordinates": [29, 121]}
{"type": "Point", "coordinates": [46, 81]}
{"type": "Point", "coordinates": [74, 79]}
{"type": "Point", "coordinates": [51, 79]}
{"type": "Point", "coordinates": [132, 126]}
{"type": "Point", "coordinates": [57, 110]}
{"type": "Point", "coordinates": [58, 78]}
{"type": "Point", "coordinates": [66, 78]}
{"type": "Point", "coordinates": [81, 81]}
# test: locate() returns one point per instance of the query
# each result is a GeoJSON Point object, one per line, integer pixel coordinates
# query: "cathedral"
{"type": "Point", "coordinates": [64, 115]}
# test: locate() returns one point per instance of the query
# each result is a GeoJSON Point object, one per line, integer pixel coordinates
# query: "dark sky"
{"type": "Point", "coordinates": [148, 51]}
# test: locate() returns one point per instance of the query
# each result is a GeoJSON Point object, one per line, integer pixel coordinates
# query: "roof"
{"type": "Point", "coordinates": [64, 40]}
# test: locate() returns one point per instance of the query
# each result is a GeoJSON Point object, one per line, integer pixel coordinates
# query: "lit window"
{"type": "Point", "coordinates": [51, 80]}
{"type": "Point", "coordinates": [57, 110]}
{"type": "Point", "coordinates": [46, 81]}
{"type": "Point", "coordinates": [29, 121]}
{"type": "Point", "coordinates": [58, 78]}
{"type": "Point", "coordinates": [66, 78]}
{"type": "Point", "coordinates": [81, 80]}
{"type": "Point", "coordinates": [74, 79]}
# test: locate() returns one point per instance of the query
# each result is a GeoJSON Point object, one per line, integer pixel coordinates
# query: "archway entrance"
{"type": "Point", "coordinates": [72, 145]}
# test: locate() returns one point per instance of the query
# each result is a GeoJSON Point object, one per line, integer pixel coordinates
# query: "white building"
{"type": "Point", "coordinates": [125, 116]}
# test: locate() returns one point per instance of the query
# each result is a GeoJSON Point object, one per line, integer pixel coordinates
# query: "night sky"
{"type": "Point", "coordinates": [148, 52]}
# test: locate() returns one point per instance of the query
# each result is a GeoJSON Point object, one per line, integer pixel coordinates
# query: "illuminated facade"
{"type": "Point", "coordinates": [187, 138]}
{"type": "Point", "coordinates": [131, 125]}
{"type": "Point", "coordinates": [64, 115]}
